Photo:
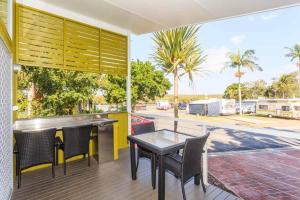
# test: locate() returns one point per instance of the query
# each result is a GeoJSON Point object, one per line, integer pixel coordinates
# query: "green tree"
{"type": "Point", "coordinates": [231, 92]}
{"type": "Point", "coordinates": [177, 52]}
{"type": "Point", "coordinates": [113, 89]}
{"type": "Point", "coordinates": [256, 89]}
{"type": "Point", "coordinates": [286, 85]}
{"type": "Point", "coordinates": [270, 91]}
{"type": "Point", "coordinates": [294, 53]}
{"type": "Point", "coordinates": [54, 91]}
{"type": "Point", "coordinates": [238, 61]}
{"type": "Point", "coordinates": [147, 83]}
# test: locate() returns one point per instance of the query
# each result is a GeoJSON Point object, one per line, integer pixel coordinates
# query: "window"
{"type": "Point", "coordinates": [263, 107]}
{"type": "Point", "coordinates": [297, 108]}
{"type": "Point", "coordinates": [285, 108]}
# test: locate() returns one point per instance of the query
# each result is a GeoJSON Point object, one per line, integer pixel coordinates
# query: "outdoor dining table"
{"type": "Point", "coordinates": [161, 142]}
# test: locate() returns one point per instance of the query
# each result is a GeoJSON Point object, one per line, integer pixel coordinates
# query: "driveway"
{"type": "Point", "coordinates": [224, 140]}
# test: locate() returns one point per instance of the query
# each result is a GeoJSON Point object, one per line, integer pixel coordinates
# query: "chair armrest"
{"type": "Point", "coordinates": [176, 157]}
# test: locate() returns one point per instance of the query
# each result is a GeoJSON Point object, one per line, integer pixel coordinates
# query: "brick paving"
{"type": "Point", "coordinates": [261, 175]}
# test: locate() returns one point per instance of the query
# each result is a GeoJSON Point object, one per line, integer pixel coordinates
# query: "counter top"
{"type": "Point", "coordinates": [60, 122]}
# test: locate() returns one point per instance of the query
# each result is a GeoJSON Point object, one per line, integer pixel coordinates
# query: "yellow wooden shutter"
{"type": "Point", "coordinates": [3, 25]}
{"type": "Point", "coordinates": [47, 40]}
{"type": "Point", "coordinates": [39, 38]}
{"type": "Point", "coordinates": [113, 53]}
{"type": "Point", "coordinates": [3, 11]}
{"type": "Point", "coordinates": [81, 47]}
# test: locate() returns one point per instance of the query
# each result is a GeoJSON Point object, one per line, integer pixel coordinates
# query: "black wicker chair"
{"type": "Point", "coordinates": [144, 153]}
{"type": "Point", "coordinates": [190, 164]}
{"type": "Point", "coordinates": [34, 148]}
{"type": "Point", "coordinates": [75, 142]}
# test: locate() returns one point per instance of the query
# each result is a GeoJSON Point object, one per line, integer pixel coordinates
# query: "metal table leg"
{"type": "Point", "coordinates": [197, 179]}
{"type": "Point", "coordinates": [133, 160]}
{"type": "Point", "coordinates": [161, 178]}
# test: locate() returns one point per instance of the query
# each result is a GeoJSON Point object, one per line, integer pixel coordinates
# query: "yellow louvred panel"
{"type": "Point", "coordinates": [47, 40]}
{"type": "Point", "coordinates": [81, 47]}
{"type": "Point", "coordinates": [39, 38]}
{"type": "Point", "coordinates": [113, 53]}
{"type": "Point", "coordinates": [3, 11]}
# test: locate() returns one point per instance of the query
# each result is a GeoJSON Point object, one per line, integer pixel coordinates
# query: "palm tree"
{"type": "Point", "coordinates": [177, 51]}
{"type": "Point", "coordinates": [237, 61]}
{"type": "Point", "coordinates": [286, 84]}
{"type": "Point", "coordinates": [294, 53]}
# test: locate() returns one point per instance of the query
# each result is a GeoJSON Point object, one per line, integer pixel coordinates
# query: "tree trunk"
{"type": "Point", "coordinates": [240, 93]}
{"type": "Point", "coordinates": [176, 82]}
{"type": "Point", "coordinates": [299, 77]}
{"type": "Point", "coordinates": [30, 98]}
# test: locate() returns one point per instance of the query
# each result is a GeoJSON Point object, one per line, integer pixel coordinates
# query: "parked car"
{"type": "Point", "coordinates": [182, 106]}
{"type": "Point", "coordinates": [163, 105]}
{"type": "Point", "coordinates": [140, 107]}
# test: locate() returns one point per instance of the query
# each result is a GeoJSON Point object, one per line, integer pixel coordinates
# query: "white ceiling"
{"type": "Point", "coordinates": [143, 16]}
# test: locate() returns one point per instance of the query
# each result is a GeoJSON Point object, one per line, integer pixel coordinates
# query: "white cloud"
{"type": "Point", "coordinates": [236, 40]}
{"type": "Point", "coordinates": [216, 59]}
{"type": "Point", "coordinates": [268, 17]}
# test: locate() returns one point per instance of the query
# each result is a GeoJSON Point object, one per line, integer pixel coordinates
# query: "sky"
{"type": "Point", "coordinates": [267, 33]}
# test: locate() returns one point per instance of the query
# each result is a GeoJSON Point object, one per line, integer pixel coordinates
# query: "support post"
{"type": "Point", "coordinates": [205, 159]}
{"type": "Point", "coordinates": [128, 85]}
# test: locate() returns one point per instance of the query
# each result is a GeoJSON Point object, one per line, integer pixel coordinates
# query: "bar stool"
{"type": "Point", "coordinates": [75, 142]}
{"type": "Point", "coordinates": [34, 148]}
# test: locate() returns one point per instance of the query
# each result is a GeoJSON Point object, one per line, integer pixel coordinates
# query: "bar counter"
{"type": "Point", "coordinates": [106, 131]}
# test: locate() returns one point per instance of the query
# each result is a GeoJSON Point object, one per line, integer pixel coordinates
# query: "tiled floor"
{"type": "Point", "coordinates": [264, 174]}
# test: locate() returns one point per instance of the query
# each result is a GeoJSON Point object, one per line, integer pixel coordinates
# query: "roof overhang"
{"type": "Point", "coordinates": [144, 16]}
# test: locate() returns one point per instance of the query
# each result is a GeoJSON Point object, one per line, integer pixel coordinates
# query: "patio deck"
{"type": "Point", "coordinates": [110, 181]}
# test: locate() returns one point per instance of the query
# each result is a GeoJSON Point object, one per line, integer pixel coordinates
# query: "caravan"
{"type": "Point", "coordinates": [212, 107]}
{"type": "Point", "coordinates": [288, 108]}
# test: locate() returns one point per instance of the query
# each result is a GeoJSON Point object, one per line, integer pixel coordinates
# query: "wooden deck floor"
{"type": "Point", "coordinates": [111, 181]}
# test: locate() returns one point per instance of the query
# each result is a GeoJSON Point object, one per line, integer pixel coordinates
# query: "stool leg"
{"type": "Point", "coordinates": [53, 171]}
{"type": "Point", "coordinates": [56, 156]}
{"type": "Point", "coordinates": [19, 178]}
{"type": "Point", "coordinates": [65, 166]}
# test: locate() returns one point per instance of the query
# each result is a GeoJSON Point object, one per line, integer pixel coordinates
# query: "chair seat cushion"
{"type": "Point", "coordinates": [174, 163]}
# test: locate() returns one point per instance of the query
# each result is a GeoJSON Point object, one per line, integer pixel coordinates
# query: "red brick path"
{"type": "Point", "coordinates": [260, 175]}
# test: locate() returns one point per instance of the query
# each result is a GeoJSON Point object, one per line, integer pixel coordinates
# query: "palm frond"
{"type": "Point", "coordinates": [293, 52]}
{"type": "Point", "coordinates": [246, 60]}
{"type": "Point", "coordinates": [178, 50]}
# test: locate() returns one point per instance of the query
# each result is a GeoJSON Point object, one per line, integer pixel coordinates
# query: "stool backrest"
{"type": "Point", "coordinates": [35, 147]}
{"type": "Point", "coordinates": [76, 140]}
